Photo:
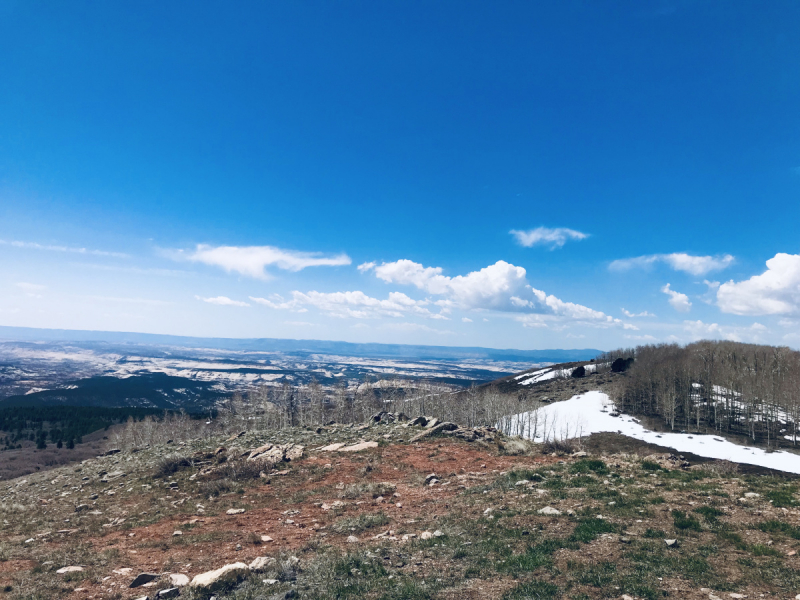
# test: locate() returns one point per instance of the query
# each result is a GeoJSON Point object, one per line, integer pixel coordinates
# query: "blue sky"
{"type": "Point", "coordinates": [357, 170]}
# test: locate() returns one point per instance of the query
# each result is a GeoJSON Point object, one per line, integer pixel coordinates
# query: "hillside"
{"type": "Point", "coordinates": [412, 513]}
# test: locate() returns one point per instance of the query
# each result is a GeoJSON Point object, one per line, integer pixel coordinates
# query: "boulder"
{"type": "Point", "coordinates": [293, 452]}
{"type": "Point", "coordinates": [260, 563]}
{"type": "Point", "coordinates": [332, 447]}
{"type": "Point", "coordinates": [229, 574]}
{"type": "Point", "coordinates": [359, 447]}
{"type": "Point", "coordinates": [441, 427]}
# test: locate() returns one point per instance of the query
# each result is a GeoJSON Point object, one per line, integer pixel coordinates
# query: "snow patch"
{"type": "Point", "coordinates": [592, 413]}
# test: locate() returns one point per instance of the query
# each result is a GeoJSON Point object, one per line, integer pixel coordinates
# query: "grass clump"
{"type": "Point", "coordinates": [781, 498]}
{"type": "Point", "coordinates": [709, 513]}
{"type": "Point", "coordinates": [533, 590]}
{"type": "Point", "coordinates": [685, 522]}
{"type": "Point", "coordinates": [359, 523]}
{"type": "Point", "coordinates": [589, 465]}
{"type": "Point", "coordinates": [775, 526]}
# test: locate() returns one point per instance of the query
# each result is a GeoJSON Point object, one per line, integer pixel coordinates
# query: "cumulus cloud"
{"type": "Point", "coordinates": [679, 302]}
{"type": "Point", "coordinates": [631, 315]}
{"type": "Point", "coordinates": [775, 292]}
{"type": "Point", "coordinates": [502, 287]}
{"type": "Point", "coordinates": [545, 236]}
{"type": "Point", "coordinates": [355, 304]}
{"type": "Point", "coordinates": [253, 260]}
{"type": "Point", "coordinates": [466, 320]}
{"type": "Point", "coordinates": [222, 301]}
{"type": "Point", "coordinates": [678, 261]}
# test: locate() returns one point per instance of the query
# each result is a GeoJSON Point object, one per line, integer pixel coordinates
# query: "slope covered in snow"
{"type": "Point", "coordinates": [592, 413]}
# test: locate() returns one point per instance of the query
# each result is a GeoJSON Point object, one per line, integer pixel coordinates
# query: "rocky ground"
{"type": "Point", "coordinates": [392, 510]}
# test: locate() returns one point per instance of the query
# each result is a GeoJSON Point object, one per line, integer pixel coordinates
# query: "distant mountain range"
{"type": "Point", "coordinates": [393, 351]}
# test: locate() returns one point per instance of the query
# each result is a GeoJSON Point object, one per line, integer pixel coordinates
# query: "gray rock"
{"type": "Point", "coordinates": [178, 579]}
{"type": "Point", "coordinates": [549, 510]}
{"type": "Point", "coordinates": [261, 563]}
{"type": "Point", "coordinates": [143, 578]}
{"type": "Point", "coordinates": [169, 593]}
{"type": "Point", "coordinates": [671, 543]}
{"type": "Point", "coordinates": [229, 574]}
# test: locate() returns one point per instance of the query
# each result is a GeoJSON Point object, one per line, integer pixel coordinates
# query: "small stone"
{"type": "Point", "coordinates": [143, 578]}
{"type": "Point", "coordinates": [169, 593]}
{"type": "Point", "coordinates": [549, 510]}
{"type": "Point", "coordinates": [177, 532]}
{"type": "Point", "coordinates": [437, 533]}
{"type": "Point", "coordinates": [178, 579]}
{"type": "Point", "coordinates": [425, 535]}
{"type": "Point", "coordinates": [351, 539]}
{"type": "Point", "coordinates": [625, 539]}
{"type": "Point", "coordinates": [269, 581]}
{"type": "Point", "coordinates": [266, 538]}
{"type": "Point", "coordinates": [752, 495]}
{"type": "Point", "coordinates": [74, 569]}
{"type": "Point", "coordinates": [737, 596]}
{"type": "Point", "coordinates": [234, 511]}
{"type": "Point", "coordinates": [671, 543]}
{"type": "Point", "coordinates": [626, 597]}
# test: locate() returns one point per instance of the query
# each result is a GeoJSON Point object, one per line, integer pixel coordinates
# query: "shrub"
{"type": "Point", "coordinates": [170, 466]}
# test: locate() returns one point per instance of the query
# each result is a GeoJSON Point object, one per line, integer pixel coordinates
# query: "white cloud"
{"type": "Point", "coordinates": [253, 260]}
{"type": "Point", "coordinates": [501, 287]}
{"type": "Point", "coordinates": [122, 300]}
{"type": "Point", "coordinates": [466, 320]}
{"type": "Point", "coordinates": [51, 248]}
{"type": "Point", "coordinates": [678, 261]}
{"type": "Point", "coordinates": [640, 338]}
{"type": "Point", "coordinates": [222, 301]}
{"type": "Point", "coordinates": [31, 289]}
{"type": "Point", "coordinates": [355, 304]}
{"type": "Point", "coordinates": [416, 327]}
{"type": "Point", "coordinates": [699, 330]}
{"type": "Point", "coordinates": [679, 302]}
{"type": "Point", "coordinates": [631, 315]}
{"type": "Point", "coordinates": [775, 292]}
{"type": "Point", "coordinates": [545, 236]}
